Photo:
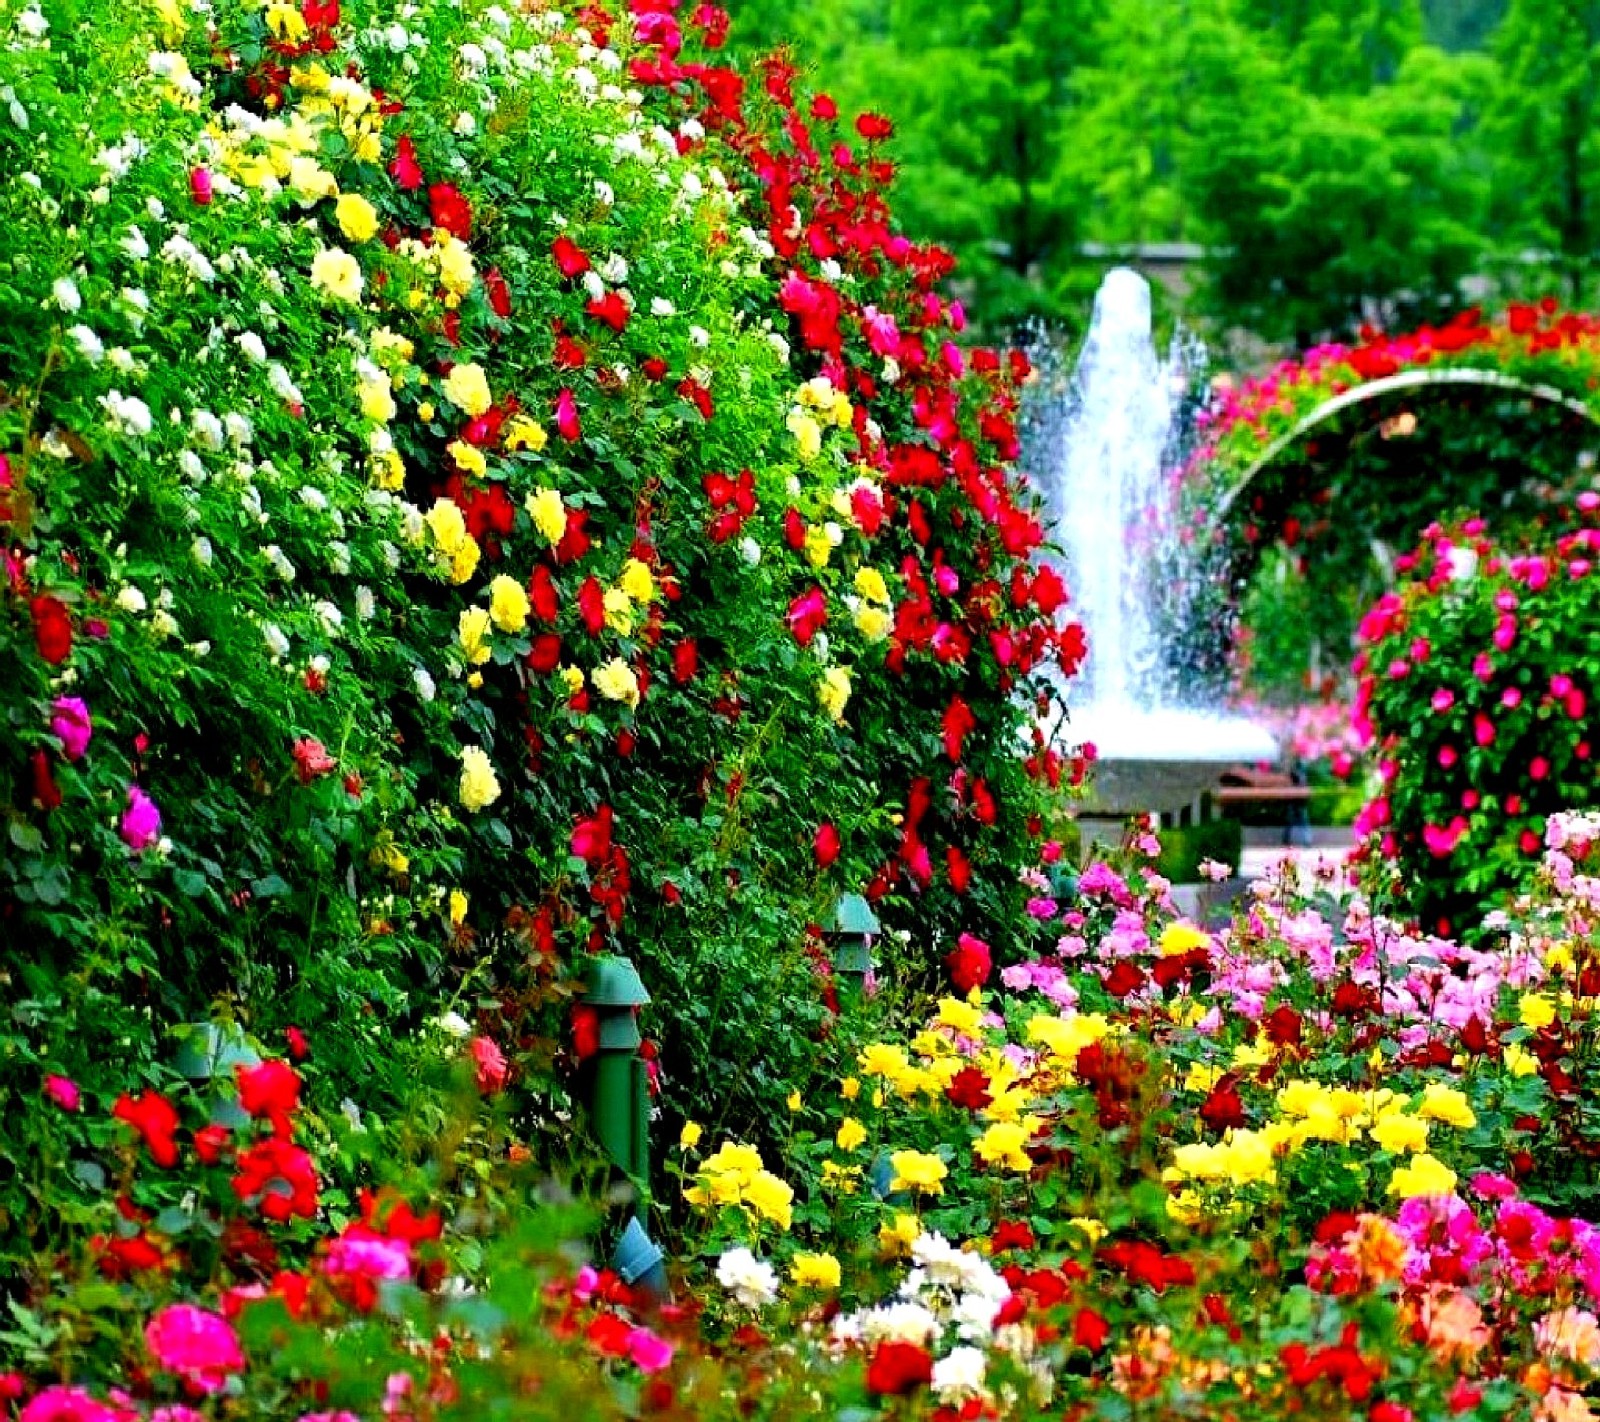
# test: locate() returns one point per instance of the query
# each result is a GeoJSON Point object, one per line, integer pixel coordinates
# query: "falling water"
{"type": "Point", "coordinates": [1103, 452]}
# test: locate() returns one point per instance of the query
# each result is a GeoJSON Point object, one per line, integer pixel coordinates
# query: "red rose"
{"type": "Point", "coordinates": [826, 846]}
{"type": "Point", "coordinates": [970, 964]}
{"type": "Point", "coordinates": [1090, 1330]}
{"type": "Point", "coordinates": [272, 1090]}
{"type": "Point", "coordinates": [897, 1368]}
{"type": "Point", "coordinates": [570, 258]}
{"type": "Point", "coordinates": [45, 790]}
{"type": "Point", "coordinates": [450, 210]}
{"type": "Point", "coordinates": [406, 170]}
{"type": "Point", "coordinates": [153, 1117]}
{"type": "Point", "coordinates": [52, 629]}
{"type": "Point", "coordinates": [685, 661]}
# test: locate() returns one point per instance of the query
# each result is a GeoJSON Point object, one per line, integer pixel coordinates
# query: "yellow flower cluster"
{"type": "Point", "coordinates": [458, 549]}
{"type": "Point", "coordinates": [1242, 1158]}
{"type": "Point", "coordinates": [814, 1271]}
{"type": "Point", "coordinates": [734, 1175]}
{"type": "Point", "coordinates": [480, 786]}
{"type": "Point", "coordinates": [872, 617]}
{"type": "Point", "coordinates": [834, 691]}
{"type": "Point", "coordinates": [829, 404]}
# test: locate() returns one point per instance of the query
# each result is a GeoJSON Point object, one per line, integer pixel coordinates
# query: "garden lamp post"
{"type": "Point", "coordinates": [854, 927]}
{"type": "Point", "coordinates": [620, 1108]}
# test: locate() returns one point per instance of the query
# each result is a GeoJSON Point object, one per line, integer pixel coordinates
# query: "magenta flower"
{"type": "Point", "coordinates": [1443, 699]}
{"type": "Point", "coordinates": [141, 821]}
{"type": "Point", "coordinates": [66, 1404]}
{"type": "Point", "coordinates": [196, 1344]}
{"type": "Point", "coordinates": [63, 1090]}
{"type": "Point", "coordinates": [200, 185]}
{"type": "Point", "coordinates": [70, 724]}
{"type": "Point", "coordinates": [489, 1065]}
{"type": "Point", "coordinates": [649, 1352]}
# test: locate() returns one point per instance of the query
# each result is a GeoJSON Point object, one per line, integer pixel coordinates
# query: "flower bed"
{"type": "Point", "coordinates": [1312, 1160]}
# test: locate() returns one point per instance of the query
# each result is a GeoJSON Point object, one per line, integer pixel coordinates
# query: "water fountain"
{"type": "Point", "coordinates": [1103, 452]}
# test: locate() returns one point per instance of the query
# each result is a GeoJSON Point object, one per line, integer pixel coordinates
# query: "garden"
{"type": "Point", "coordinates": [541, 874]}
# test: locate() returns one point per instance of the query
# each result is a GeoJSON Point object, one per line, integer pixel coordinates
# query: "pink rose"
{"type": "Point", "coordinates": [490, 1065]}
{"type": "Point", "coordinates": [63, 1090]}
{"type": "Point", "coordinates": [141, 821]}
{"type": "Point", "coordinates": [196, 1344]}
{"type": "Point", "coordinates": [200, 185]}
{"type": "Point", "coordinates": [70, 724]}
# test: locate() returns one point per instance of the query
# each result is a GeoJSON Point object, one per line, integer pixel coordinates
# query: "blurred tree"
{"type": "Point", "coordinates": [1544, 125]}
{"type": "Point", "coordinates": [1458, 25]}
{"type": "Point", "coordinates": [1326, 210]}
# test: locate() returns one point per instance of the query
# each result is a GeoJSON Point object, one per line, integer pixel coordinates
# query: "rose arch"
{"type": "Point", "coordinates": [1308, 479]}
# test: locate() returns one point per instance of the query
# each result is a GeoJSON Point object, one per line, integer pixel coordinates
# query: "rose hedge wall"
{"type": "Point", "coordinates": [478, 489]}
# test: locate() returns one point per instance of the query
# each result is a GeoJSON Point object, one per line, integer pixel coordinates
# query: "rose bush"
{"type": "Point", "coordinates": [1475, 692]}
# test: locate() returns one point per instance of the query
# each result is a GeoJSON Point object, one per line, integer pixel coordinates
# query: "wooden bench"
{"type": "Point", "coordinates": [1244, 786]}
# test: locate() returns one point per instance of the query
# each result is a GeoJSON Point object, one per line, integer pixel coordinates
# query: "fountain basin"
{"type": "Point", "coordinates": [1162, 762]}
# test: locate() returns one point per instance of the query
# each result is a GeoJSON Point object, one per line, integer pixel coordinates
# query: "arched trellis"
{"type": "Point", "coordinates": [1387, 385]}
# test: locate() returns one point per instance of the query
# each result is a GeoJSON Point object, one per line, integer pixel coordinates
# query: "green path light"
{"type": "Point", "coordinates": [854, 927]}
{"type": "Point", "coordinates": [620, 1109]}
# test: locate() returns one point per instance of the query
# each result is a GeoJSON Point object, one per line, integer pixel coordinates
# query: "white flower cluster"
{"type": "Point", "coordinates": [750, 1281]}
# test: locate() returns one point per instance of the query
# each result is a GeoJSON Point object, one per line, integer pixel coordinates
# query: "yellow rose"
{"type": "Point", "coordinates": [885, 1059]}
{"type": "Point", "coordinates": [849, 1088]}
{"type": "Point", "coordinates": [472, 630]}
{"type": "Point", "coordinates": [1423, 1175]}
{"type": "Point", "coordinates": [1003, 1145]}
{"type": "Point", "coordinates": [455, 267]}
{"type": "Point", "coordinates": [467, 388]}
{"type": "Point", "coordinates": [572, 679]}
{"type": "Point", "coordinates": [1537, 1011]}
{"type": "Point", "coordinates": [870, 585]}
{"type": "Point", "coordinates": [834, 691]}
{"type": "Point", "coordinates": [357, 218]}
{"type": "Point", "coordinates": [426, 412]}
{"type": "Point", "coordinates": [447, 525]}
{"type": "Point", "coordinates": [689, 1136]}
{"type": "Point", "coordinates": [1518, 1060]}
{"type": "Point", "coordinates": [469, 459]}
{"type": "Point", "coordinates": [387, 343]}
{"type": "Point", "coordinates": [548, 513]}
{"type": "Point", "coordinates": [916, 1170]}
{"type": "Point", "coordinates": [807, 433]}
{"type": "Point", "coordinates": [874, 623]}
{"type": "Point", "coordinates": [636, 580]}
{"type": "Point", "coordinates": [377, 403]}
{"type": "Point", "coordinates": [508, 604]}
{"type": "Point", "coordinates": [310, 181]}
{"type": "Point", "coordinates": [458, 907]}
{"type": "Point", "coordinates": [479, 785]}
{"type": "Point", "coordinates": [615, 680]}
{"type": "Point", "coordinates": [819, 547]}
{"type": "Point", "coordinates": [851, 1134]}
{"type": "Point", "coordinates": [337, 274]}
{"type": "Point", "coordinates": [770, 1198]}
{"type": "Point", "coordinates": [897, 1236]}
{"type": "Point", "coordinates": [522, 433]}
{"type": "Point", "coordinates": [1446, 1104]}
{"type": "Point", "coordinates": [464, 561]}
{"type": "Point", "coordinates": [1182, 937]}
{"type": "Point", "coordinates": [388, 470]}
{"type": "Point", "coordinates": [619, 611]}
{"type": "Point", "coordinates": [814, 1271]}
{"type": "Point", "coordinates": [1398, 1133]}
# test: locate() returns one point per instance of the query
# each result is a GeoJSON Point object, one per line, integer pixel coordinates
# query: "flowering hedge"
{"type": "Point", "coordinates": [482, 488]}
{"type": "Point", "coordinates": [1477, 679]}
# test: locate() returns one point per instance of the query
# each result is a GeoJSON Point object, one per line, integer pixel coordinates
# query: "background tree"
{"type": "Point", "coordinates": [1545, 125]}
